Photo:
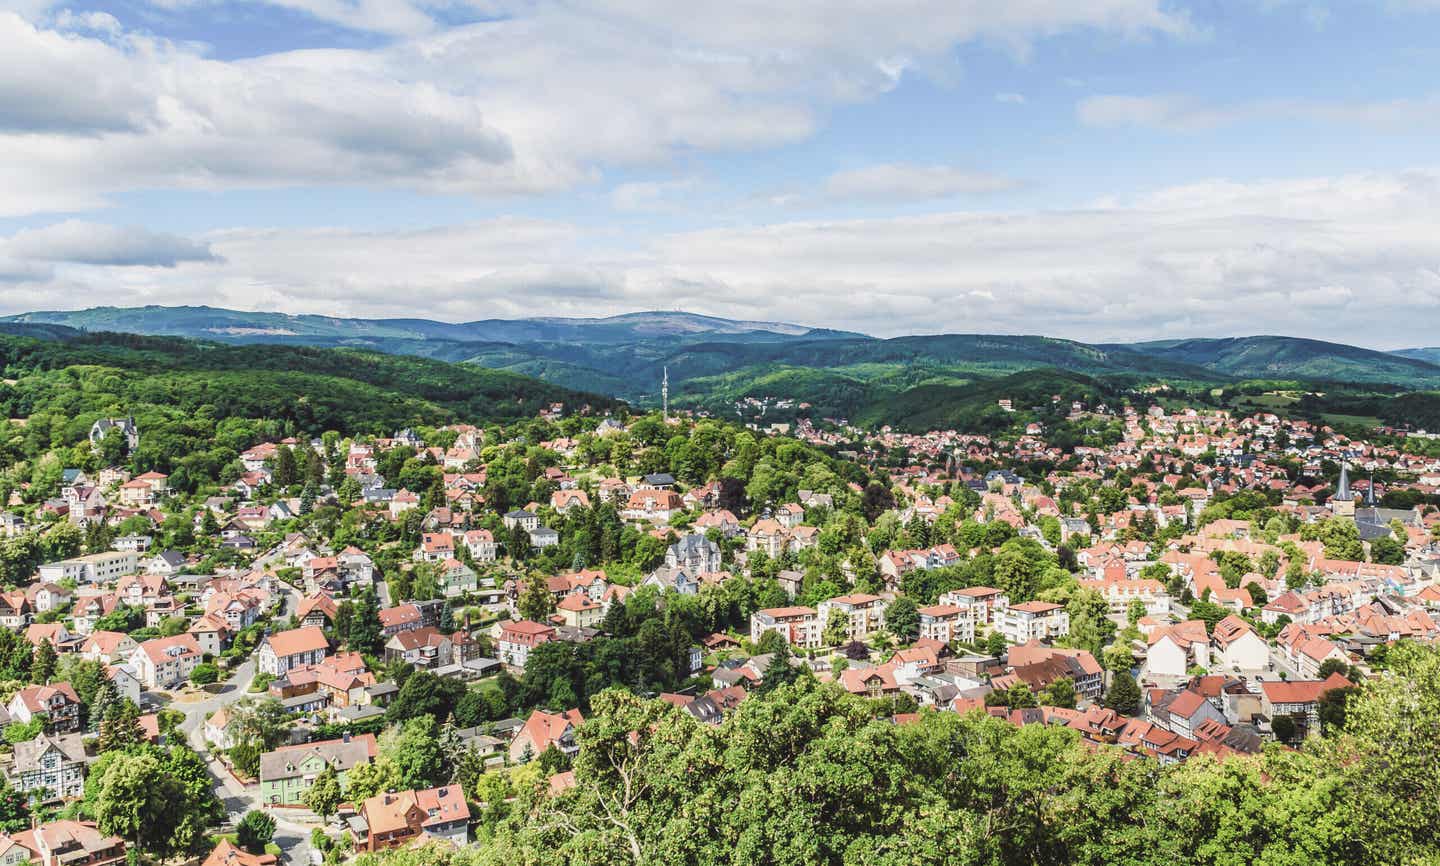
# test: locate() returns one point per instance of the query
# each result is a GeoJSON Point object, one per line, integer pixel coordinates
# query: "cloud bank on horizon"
{"type": "Point", "coordinates": [1109, 170]}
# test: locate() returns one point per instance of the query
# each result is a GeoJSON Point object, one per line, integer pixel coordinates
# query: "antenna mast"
{"type": "Point", "coordinates": [665, 393]}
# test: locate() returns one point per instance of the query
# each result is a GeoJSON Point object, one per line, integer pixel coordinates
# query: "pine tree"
{"type": "Point", "coordinates": [42, 666]}
{"type": "Point", "coordinates": [121, 728]}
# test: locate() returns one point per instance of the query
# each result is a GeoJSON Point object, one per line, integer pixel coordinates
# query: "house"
{"type": "Point", "coordinates": [219, 730]}
{"type": "Point", "coordinates": [45, 597]}
{"type": "Point", "coordinates": [542, 537]}
{"type": "Point", "coordinates": [1038, 665]}
{"type": "Point", "coordinates": [1181, 711]}
{"type": "Point", "coordinates": [1238, 647]}
{"type": "Point", "coordinates": [289, 771]}
{"type": "Point", "coordinates": [107, 646]}
{"type": "Point", "coordinates": [872, 682]}
{"type": "Point", "coordinates": [124, 427]}
{"type": "Point", "coordinates": [227, 854]}
{"type": "Point", "coordinates": [565, 501]}
{"type": "Point", "coordinates": [429, 647]}
{"type": "Point", "coordinates": [518, 638]}
{"type": "Point", "coordinates": [401, 617]}
{"type": "Point", "coordinates": [577, 609]}
{"type": "Point", "coordinates": [694, 553]}
{"type": "Point", "coordinates": [317, 611]}
{"type": "Point", "coordinates": [1033, 620]}
{"type": "Point", "coordinates": [1299, 699]}
{"type": "Point", "coordinates": [166, 662]}
{"type": "Point", "coordinates": [455, 578]}
{"type": "Point", "coordinates": [14, 610]}
{"type": "Point", "coordinates": [50, 767]}
{"type": "Point", "coordinates": [652, 505]}
{"type": "Point", "coordinates": [481, 544]}
{"type": "Point", "coordinates": [946, 623]}
{"type": "Point", "coordinates": [679, 579]}
{"type": "Point", "coordinates": [63, 843]}
{"type": "Point", "coordinates": [1175, 649]}
{"type": "Point", "coordinates": [543, 730]}
{"type": "Point", "coordinates": [434, 547]}
{"type": "Point", "coordinates": [105, 567]}
{"type": "Point", "coordinates": [395, 818]}
{"type": "Point", "coordinates": [800, 626]}
{"type": "Point", "coordinates": [295, 648]}
{"type": "Point", "coordinates": [526, 521]}
{"type": "Point", "coordinates": [57, 704]}
{"type": "Point", "coordinates": [864, 614]}
{"type": "Point", "coordinates": [986, 603]}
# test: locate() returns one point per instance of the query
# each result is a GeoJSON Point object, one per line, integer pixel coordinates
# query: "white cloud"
{"type": "Point", "coordinates": [87, 243]}
{"type": "Point", "coordinates": [1010, 98]}
{"type": "Point", "coordinates": [1349, 258]}
{"type": "Point", "coordinates": [652, 196]}
{"type": "Point", "coordinates": [544, 97]}
{"type": "Point", "coordinates": [899, 182]}
{"type": "Point", "coordinates": [1180, 113]}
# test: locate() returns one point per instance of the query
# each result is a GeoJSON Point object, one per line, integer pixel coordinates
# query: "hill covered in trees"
{"type": "Point", "coordinates": [197, 404]}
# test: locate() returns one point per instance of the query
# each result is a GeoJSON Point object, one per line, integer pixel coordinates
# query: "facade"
{"type": "Point", "coordinates": [1033, 620]}
{"type": "Point", "coordinates": [106, 567]}
{"type": "Point", "coordinates": [295, 648]}
{"type": "Point", "coordinates": [166, 662]}
{"type": "Point", "coordinates": [518, 638]}
{"type": "Point", "coordinates": [57, 704]}
{"type": "Point", "coordinates": [800, 626]}
{"type": "Point", "coordinates": [289, 771]}
{"type": "Point", "coordinates": [985, 602]}
{"type": "Point", "coordinates": [946, 623]}
{"type": "Point", "coordinates": [396, 818]}
{"type": "Point", "coordinates": [50, 768]}
{"type": "Point", "coordinates": [865, 614]}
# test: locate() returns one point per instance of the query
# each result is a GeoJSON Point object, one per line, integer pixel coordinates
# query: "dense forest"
{"type": "Point", "coordinates": [198, 405]}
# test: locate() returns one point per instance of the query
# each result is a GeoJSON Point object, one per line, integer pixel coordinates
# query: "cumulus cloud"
{"type": "Point", "coordinates": [1350, 258]}
{"type": "Point", "coordinates": [542, 96]}
{"type": "Point", "coordinates": [86, 243]}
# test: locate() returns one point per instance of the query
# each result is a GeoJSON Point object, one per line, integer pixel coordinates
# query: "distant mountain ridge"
{"type": "Point", "coordinates": [1278, 357]}
{"type": "Point", "coordinates": [716, 363]}
{"type": "Point", "coordinates": [244, 326]}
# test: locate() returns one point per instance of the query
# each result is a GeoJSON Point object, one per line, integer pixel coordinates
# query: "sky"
{"type": "Point", "coordinates": [1106, 170]}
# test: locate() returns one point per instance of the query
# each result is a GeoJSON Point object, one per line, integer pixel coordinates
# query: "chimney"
{"type": "Point", "coordinates": [345, 737]}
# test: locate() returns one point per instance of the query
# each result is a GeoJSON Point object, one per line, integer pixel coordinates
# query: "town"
{"type": "Point", "coordinates": [352, 643]}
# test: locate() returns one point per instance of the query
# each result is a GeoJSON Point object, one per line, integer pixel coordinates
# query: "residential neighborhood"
{"type": "Point", "coordinates": [1189, 584]}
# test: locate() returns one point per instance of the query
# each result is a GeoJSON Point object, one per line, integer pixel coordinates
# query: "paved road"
{"type": "Point", "coordinates": [293, 838]}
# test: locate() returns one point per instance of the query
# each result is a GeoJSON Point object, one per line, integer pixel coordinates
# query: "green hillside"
{"type": "Point", "coordinates": [197, 402]}
{"type": "Point", "coordinates": [974, 406]}
{"type": "Point", "coordinates": [1294, 357]}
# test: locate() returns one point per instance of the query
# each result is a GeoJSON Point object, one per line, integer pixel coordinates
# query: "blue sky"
{"type": "Point", "coordinates": [1107, 170]}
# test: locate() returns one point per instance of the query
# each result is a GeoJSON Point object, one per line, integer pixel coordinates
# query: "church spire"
{"type": "Point", "coordinates": [1342, 493]}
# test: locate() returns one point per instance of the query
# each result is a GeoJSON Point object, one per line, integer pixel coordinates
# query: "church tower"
{"type": "Point", "coordinates": [1342, 504]}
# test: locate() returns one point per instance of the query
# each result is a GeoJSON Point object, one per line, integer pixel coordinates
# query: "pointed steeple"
{"type": "Point", "coordinates": [1342, 493]}
{"type": "Point", "coordinates": [1370, 492]}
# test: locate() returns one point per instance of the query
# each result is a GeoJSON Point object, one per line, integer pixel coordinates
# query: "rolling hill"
{"type": "Point", "coordinates": [1271, 357]}
{"type": "Point", "coordinates": [713, 363]}
{"type": "Point", "coordinates": [1430, 355]}
{"type": "Point", "coordinates": [240, 326]}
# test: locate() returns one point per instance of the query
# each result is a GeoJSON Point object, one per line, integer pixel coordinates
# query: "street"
{"type": "Point", "coordinates": [293, 838]}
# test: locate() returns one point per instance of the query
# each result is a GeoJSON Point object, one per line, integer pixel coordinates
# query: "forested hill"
{"type": "Point", "coordinates": [198, 403]}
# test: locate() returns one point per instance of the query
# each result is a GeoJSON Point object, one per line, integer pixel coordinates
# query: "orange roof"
{"type": "Point", "coordinates": [298, 640]}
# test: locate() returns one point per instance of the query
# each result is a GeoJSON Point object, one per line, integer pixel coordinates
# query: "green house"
{"type": "Point", "coordinates": [289, 771]}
